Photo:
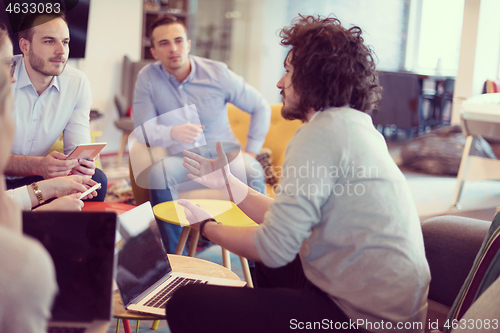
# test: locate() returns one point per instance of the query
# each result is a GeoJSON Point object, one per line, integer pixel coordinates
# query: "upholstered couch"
{"type": "Point", "coordinates": [451, 244]}
{"type": "Point", "coordinates": [280, 133]}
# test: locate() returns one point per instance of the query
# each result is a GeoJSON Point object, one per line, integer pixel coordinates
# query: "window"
{"type": "Point", "coordinates": [383, 24]}
{"type": "Point", "coordinates": [434, 35]}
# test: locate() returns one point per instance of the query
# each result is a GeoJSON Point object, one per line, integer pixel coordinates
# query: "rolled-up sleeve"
{"type": "Point", "coordinates": [77, 131]}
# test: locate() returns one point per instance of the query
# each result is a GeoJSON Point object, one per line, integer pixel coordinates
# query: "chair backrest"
{"type": "Point", "coordinates": [129, 76]}
{"type": "Point", "coordinates": [121, 105]}
{"type": "Point", "coordinates": [280, 132]}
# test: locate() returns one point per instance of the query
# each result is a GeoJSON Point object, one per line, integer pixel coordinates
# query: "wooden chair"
{"type": "Point", "coordinates": [480, 116]}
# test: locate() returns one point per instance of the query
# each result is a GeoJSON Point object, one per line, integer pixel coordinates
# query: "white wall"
{"type": "Point", "coordinates": [115, 29]}
{"type": "Point", "coordinates": [479, 51]}
{"type": "Point", "coordinates": [256, 54]}
{"type": "Point", "coordinates": [272, 53]}
{"type": "Point", "coordinates": [488, 45]}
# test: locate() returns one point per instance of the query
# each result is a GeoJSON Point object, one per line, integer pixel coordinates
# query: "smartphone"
{"type": "Point", "coordinates": [86, 151]}
{"type": "Point", "coordinates": [90, 190]}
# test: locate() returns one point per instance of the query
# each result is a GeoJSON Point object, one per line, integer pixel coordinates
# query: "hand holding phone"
{"type": "Point", "coordinates": [90, 190]}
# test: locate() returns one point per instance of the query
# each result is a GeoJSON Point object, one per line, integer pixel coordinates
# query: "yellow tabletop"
{"type": "Point", "coordinates": [225, 212]}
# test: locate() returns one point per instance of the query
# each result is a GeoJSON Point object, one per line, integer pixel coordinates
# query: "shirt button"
{"type": "Point", "coordinates": [180, 87]}
{"type": "Point", "coordinates": [196, 144]}
{"type": "Point", "coordinates": [185, 104]}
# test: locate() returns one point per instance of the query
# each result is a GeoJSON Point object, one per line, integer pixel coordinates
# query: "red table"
{"type": "Point", "coordinates": [96, 206]}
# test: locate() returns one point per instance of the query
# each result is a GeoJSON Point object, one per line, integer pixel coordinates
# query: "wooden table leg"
{"type": "Point", "coordinates": [195, 235]}
{"type": "Point", "coordinates": [462, 172]}
{"type": "Point", "coordinates": [246, 271]}
{"type": "Point", "coordinates": [226, 259]}
{"type": "Point", "coordinates": [182, 240]}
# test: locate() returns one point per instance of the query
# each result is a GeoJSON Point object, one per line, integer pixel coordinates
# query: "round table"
{"type": "Point", "coordinates": [97, 206]}
{"type": "Point", "coordinates": [224, 211]}
{"type": "Point", "coordinates": [179, 264]}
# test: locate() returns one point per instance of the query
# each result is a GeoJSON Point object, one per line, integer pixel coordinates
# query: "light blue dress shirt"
{"type": "Point", "coordinates": [64, 107]}
{"type": "Point", "coordinates": [209, 86]}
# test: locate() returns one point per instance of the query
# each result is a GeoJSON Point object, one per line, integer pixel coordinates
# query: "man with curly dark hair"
{"type": "Point", "coordinates": [340, 248]}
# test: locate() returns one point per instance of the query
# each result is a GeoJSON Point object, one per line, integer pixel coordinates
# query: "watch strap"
{"type": "Point", "coordinates": [202, 225]}
{"type": "Point", "coordinates": [38, 193]}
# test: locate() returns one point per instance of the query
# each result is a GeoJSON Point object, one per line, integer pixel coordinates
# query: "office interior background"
{"type": "Point", "coordinates": [451, 37]}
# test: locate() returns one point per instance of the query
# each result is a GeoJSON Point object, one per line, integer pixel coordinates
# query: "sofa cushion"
{"type": "Point", "coordinates": [451, 245]}
{"type": "Point", "coordinates": [485, 270]}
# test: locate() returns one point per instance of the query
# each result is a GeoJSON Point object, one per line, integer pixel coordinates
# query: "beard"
{"type": "Point", "coordinates": [291, 110]}
{"type": "Point", "coordinates": [38, 64]}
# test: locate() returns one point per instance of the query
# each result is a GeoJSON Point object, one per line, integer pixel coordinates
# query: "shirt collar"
{"type": "Point", "coordinates": [193, 69]}
{"type": "Point", "coordinates": [170, 76]}
{"type": "Point", "coordinates": [314, 116]}
{"type": "Point", "coordinates": [23, 80]}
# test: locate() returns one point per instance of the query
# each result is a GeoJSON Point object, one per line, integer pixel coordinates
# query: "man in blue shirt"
{"type": "Point", "coordinates": [50, 98]}
{"type": "Point", "coordinates": [181, 101]}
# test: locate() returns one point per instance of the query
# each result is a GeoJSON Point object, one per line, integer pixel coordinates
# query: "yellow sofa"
{"type": "Point", "coordinates": [280, 133]}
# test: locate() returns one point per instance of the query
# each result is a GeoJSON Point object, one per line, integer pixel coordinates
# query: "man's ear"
{"type": "Point", "coordinates": [153, 53]}
{"type": "Point", "coordinates": [24, 45]}
{"type": "Point", "coordinates": [189, 45]}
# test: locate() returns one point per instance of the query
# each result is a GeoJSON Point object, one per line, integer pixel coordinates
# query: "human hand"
{"type": "Point", "coordinates": [85, 167]}
{"type": "Point", "coordinates": [66, 203]}
{"type": "Point", "coordinates": [55, 164]}
{"type": "Point", "coordinates": [61, 186]}
{"type": "Point", "coordinates": [187, 132]}
{"type": "Point", "coordinates": [206, 171]}
{"type": "Point", "coordinates": [194, 213]}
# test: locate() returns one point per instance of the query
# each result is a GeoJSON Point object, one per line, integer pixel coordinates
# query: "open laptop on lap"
{"type": "Point", "coordinates": [82, 246]}
{"type": "Point", "coordinates": [144, 275]}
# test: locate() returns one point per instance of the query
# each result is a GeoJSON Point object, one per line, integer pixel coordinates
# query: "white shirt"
{"type": "Point", "coordinates": [64, 107]}
{"type": "Point", "coordinates": [21, 196]}
{"type": "Point", "coordinates": [27, 284]}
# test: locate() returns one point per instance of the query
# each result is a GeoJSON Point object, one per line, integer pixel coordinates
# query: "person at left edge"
{"type": "Point", "coordinates": [51, 98]}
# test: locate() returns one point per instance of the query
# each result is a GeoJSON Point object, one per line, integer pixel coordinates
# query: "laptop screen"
{"type": "Point", "coordinates": [81, 245]}
{"type": "Point", "coordinates": [142, 261]}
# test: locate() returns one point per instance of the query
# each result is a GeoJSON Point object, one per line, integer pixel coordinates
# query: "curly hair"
{"type": "Point", "coordinates": [332, 67]}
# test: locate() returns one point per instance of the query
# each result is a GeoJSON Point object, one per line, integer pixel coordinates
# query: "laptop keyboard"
{"type": "Point", "coordinates": [164, 295]}
{"type": "Point", "coordinates": [66, 330]}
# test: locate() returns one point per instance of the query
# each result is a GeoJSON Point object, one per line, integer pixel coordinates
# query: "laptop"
{"type": "Point", "coordinates": [144, 275]}
{"type": "Point", "coordinates": [82, 247]}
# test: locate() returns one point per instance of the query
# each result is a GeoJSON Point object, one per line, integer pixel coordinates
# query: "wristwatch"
{"type": "Point", "coordinates": [38, 193]}
{"type": "Point", "coordinates": [202, 225]}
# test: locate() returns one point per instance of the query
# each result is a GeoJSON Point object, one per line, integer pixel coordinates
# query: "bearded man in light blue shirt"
{"type": "Point", "coordinates": [50, 98]}
{"type": "Point", "coordinates": [182, 100]}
